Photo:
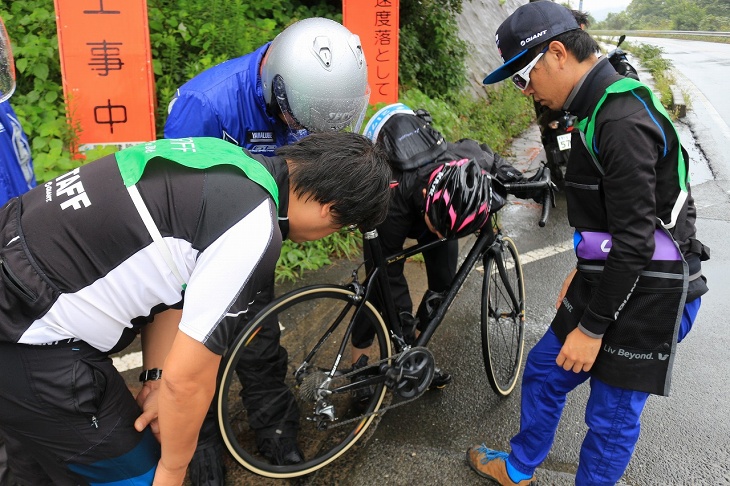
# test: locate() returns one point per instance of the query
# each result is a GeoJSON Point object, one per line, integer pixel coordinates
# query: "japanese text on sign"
{"type": "Point", "coordinates": [376, 22]}
{"type": "Point", "coordinates": [107, 69]}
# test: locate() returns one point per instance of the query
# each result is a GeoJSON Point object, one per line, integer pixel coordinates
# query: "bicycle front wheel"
{"type": "Point", "coordinates": [305, 397]}
{"type": "Point", "coordinates": [503, 316]}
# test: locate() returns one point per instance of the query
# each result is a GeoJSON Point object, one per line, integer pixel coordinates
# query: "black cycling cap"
{"type": "Point", "coordinates": [529, 25]}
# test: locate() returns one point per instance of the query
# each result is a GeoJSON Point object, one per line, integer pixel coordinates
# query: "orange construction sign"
{"type": "Point", "coordinates": [376, 22]}
{"type": "Point", "coordinates": [106, 64]}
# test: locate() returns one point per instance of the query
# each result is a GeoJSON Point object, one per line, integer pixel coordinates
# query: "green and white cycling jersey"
{"type": "Point", "coordinates": [78, 261]}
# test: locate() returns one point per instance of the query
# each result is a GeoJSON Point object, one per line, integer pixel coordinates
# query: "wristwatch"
{"type": "Point", "coordinates": [152, 374]}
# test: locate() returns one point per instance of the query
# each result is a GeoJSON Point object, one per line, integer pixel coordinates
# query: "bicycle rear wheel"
{"type": "Point", "coordinates": [313, 321]}
{"type": "Point", "coordinates": [503, 316]}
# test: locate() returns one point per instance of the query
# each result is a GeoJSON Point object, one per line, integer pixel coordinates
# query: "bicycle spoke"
{"type": "Point", "coordinates": [503, 317]}
{"type": "Point", "coordinates": [313, 396]}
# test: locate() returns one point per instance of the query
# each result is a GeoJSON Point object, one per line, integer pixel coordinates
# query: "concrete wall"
{"type": "Point", "coordinates": [478, 23]}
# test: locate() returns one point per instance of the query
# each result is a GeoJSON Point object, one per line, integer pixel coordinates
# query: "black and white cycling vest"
{"type": "Point", "coordinates": [84, 257]}
{"type": "Point", "coordinates": [185, 151]}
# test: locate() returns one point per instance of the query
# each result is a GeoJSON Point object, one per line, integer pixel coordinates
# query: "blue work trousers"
{"type": "Point", "coordinates": [612, 414]}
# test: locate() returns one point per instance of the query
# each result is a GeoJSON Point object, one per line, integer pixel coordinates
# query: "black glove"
{"type": "Point", "coordinates": [536, 195]}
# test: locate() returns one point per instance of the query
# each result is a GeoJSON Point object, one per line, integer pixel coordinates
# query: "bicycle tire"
{"type": "Point", "coordinates": [503, 317]}
{"type": "Point", "coordinates": [304, 316]}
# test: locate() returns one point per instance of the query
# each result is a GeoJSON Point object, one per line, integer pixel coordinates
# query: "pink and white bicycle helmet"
{"type": "Point", "coordinates": [457, 199]}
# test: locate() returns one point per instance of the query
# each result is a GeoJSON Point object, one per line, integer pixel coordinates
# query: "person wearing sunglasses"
{"type": "Point", "coordinates": [635, 290]}
{"type": "Point", "coordinates": [521, 78]}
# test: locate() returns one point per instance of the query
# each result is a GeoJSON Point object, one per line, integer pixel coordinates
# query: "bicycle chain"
{"type": "Point", "coordinates": [381, 410]}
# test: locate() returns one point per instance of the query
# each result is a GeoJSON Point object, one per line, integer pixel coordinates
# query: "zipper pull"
{"type": "Point", "coordinates": [94, 422]}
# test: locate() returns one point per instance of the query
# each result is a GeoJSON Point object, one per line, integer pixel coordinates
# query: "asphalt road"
{"type": "Point", "coordinates": [685, 437]}
{"type": "Point", "coordinates": [701, 70]}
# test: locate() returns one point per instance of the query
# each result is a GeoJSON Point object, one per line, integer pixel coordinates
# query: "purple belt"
{"type": "Point", "coordinates": [595, 245]}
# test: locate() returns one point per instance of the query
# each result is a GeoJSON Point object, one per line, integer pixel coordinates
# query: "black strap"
{"type": "Point", "coordinates": [150, 375]}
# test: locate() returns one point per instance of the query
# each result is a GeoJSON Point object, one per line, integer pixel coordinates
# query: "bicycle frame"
{"type": "Point", "coordinates": [485, 241]}
{"type": "Point", "coordinates": [326, 388]}
{"type": "Point", "coordinates": [378, 275]}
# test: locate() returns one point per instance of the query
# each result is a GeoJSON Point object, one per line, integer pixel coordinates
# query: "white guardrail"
{"type": "Point", "coordinates": [663, 32]}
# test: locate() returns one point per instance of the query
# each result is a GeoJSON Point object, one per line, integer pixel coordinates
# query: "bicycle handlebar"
{"type": "Point", "coordinates": [547, 186]}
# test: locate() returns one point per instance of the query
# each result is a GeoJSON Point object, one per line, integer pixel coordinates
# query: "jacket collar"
{"type": "Point", "coordinates": [590, 88]}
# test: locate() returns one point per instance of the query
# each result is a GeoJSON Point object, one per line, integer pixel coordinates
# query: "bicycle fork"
{"type": "Point", "coordinates": [502, 269]}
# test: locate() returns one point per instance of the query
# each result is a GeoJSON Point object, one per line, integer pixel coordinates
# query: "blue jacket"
{"type": "Point", "coordinates": [227, 101]}
{"type": "Point", "coordinates": [16, 164]}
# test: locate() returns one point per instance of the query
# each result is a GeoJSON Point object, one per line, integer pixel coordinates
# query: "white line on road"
{"type": "Point", "coordinates": [128, 361]}
{"type": "Point", "coordinates": [134, 360]}
{"type": "Point", "coordinates": [548, 251]}
{"type": "Point", "coordinates": [538, 254]}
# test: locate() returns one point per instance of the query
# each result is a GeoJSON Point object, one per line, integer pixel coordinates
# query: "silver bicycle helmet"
{"type": "Point", "coordinates": [458, 196]}
{"type": "Point", "coordinates": [7, 65]}
{"type": "Point", "coordinates": [315, 73]}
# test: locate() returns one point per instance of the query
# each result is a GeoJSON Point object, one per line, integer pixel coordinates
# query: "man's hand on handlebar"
{"type": "Point", "coordinates": [539, 187]}
{"type": "Point", "coordinates": [524, 190]}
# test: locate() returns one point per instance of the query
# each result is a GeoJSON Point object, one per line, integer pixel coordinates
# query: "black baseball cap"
{"type": "Point", "coordinates": [529, 25]}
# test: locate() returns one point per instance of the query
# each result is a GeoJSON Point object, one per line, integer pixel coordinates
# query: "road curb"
{"type": "Point", "coordinates": [679, 106]}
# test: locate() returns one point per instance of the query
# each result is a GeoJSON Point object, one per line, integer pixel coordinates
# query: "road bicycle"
{"type": "Point", "coordinates": [316, 325]}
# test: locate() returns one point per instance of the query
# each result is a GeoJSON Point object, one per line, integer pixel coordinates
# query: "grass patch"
{"type": "Point", "coordinates": [660, 68]}
{"type": "Point", "coordinates": [297, 258]}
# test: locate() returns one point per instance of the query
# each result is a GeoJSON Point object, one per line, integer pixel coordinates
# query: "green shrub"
{"type": "Point", "coordinates": [38, 98]}
{"type": "Point", "coordinates": [431, 54]}
{"type": "Point", "coordinates": [296, 258]}
{"type": "Point", "coordinates": [189, 36]}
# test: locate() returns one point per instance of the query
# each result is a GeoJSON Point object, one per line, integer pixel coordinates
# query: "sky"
{"type": "Point", "coordinates": [600, 8]}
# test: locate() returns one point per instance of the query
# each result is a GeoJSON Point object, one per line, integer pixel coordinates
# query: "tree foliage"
{"type": "Point", "coordinates": [711, 15]}
{"type": "Point", "coordinates": [431, 53]}
{"type": "Point", "coordinates": [188, 36]}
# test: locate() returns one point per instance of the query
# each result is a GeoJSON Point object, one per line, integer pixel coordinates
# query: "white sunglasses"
{"type": "Point", "coordinates": [522, 77]}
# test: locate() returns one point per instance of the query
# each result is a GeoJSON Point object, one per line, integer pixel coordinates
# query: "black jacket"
{"type": "Point", "coordinates": [637, 149]}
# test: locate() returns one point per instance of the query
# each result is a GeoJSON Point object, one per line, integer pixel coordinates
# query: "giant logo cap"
{"type": "Point", "coordinates": [528, 26]}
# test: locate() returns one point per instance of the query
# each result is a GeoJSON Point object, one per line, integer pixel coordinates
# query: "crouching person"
{"type": "Point", "coordinates": [89, 259]}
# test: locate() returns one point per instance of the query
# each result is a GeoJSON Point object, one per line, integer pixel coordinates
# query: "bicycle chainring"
{"type": "Point", "coordinates": [412, 372]}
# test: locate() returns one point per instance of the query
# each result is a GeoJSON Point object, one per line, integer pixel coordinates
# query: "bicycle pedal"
{"type": "Point", "coordinates": [441, 379]}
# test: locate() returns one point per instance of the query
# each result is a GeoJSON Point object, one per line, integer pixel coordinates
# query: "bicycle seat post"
{"type": "Point", "coordinates": [379, 263]}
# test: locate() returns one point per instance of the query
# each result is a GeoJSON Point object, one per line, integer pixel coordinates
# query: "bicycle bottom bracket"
{"type": "Point", "coordinates": [412, 372]}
